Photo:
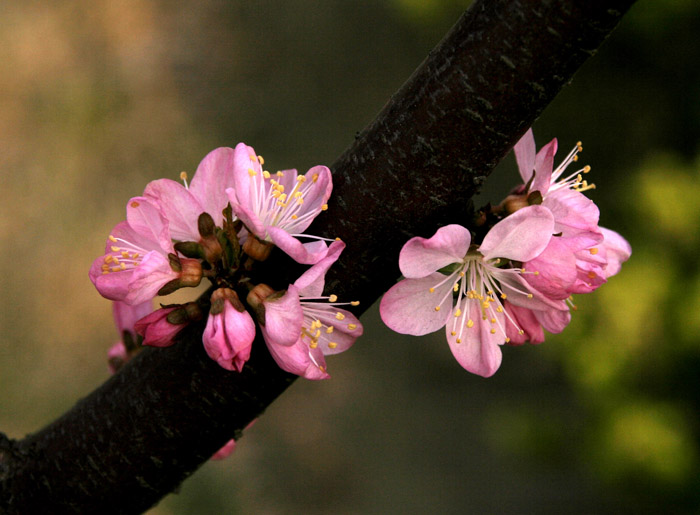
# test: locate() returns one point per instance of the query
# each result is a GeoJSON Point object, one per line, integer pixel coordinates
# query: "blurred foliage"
{"type": "Point", "coordinates": [97, 98]}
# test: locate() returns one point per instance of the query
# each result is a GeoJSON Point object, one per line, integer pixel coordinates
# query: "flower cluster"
{"type": "Point", "coordinates": [538, 247]}
{"type": "Point", "coordinates": [217, 227]}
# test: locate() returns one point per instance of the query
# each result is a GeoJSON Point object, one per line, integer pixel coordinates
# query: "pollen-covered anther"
{"type": "Point", "coordinates": [437, 308]}
{"type": "Point", "coordinates": [591, 275]}
{"type": "Point", "coordinates": [252, 172]}
{"type": "Point", "coordinates": [352, 327]}
{"type": "Point", "coordinates": [329, 329]}
{"type": "Point", "coordinates": [266, 174]}
{"type": "Point", "coordinates": [332, 345]}
{"type": "Point", "coordinates": [586, 169]}
{"type": "Point", "coordinates": [458, 313]}
{"type": "Point", "coordinates": [261, 160]}
{"type": "Point", "coordinates": [504, 296]}
{"type": "Point", "coordinates": [355, 303]}
{"type": "Point", "coordinates": [324, 207]}
{"type": "Point", "coordinates": [593, 250]}
{"type": "Point", "coordinates": [493, 331]}
{"type": "Point", "coordinates": [339, 316]}
{"type": "Point", "coordinates": [470, 323]}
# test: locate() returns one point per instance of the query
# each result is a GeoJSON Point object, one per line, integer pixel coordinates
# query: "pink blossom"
{"type": "Point", "coordinates": [573, 261]}
{"type": "Point", "coordinates": [157, 330]}
{"type": "Point", "coordinates": [302, 326]}
{"type": "Point", "coordinates": [230, 330]}
{"type": "Point", "coordinates": [279, 207]}
{"type": "Point", "coordinates": [125, 318]}
{"type": "Point", "coordinates": [225, 451]}
{"type": "Point", "coordinates": [451, 283]}
{"type": "Point", "coordinates": [206, 193]}
{"type": "Point", "coordinates": [138, 259]}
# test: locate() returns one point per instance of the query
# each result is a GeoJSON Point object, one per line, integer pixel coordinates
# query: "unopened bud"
{"type": "Point", "coordinates": [257, 295]}
{"type": "Point", "coordinates": [221, 296]}
{"type": "Point", "coordinates": [212, 249]}
{"type": "Point", "coordinates": [206, 225]}
{"type": "Point", "coordinates": [257, 249]}
{"type": "Point", "coordinates": [190, 249]}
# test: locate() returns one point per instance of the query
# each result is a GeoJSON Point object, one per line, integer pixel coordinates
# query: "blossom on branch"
{"type": "Point", "coordinates": [278, 207]}
{"type": "Point", "coordinates": [452, 283]}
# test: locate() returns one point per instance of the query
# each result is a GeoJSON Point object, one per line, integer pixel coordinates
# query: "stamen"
{"type": "Point", "coordinates": [183, 178]}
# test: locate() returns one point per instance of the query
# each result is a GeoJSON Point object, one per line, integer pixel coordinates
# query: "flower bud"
{"type": "Point", "coordinates": [513, 203]}
{"type": "Point", "coordinates": [257, 249]}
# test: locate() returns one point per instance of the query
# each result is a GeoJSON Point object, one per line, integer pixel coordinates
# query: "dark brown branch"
{"type": "Point", "coordinates": [415, 167]}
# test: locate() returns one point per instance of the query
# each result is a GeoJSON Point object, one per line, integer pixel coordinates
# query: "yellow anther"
{"type": "Point", "coordinates": [455, 288]}
{"type": "Point", "coordinates": [437, 308]}
{"type": "Point", "coordinates": [521, 331]}
{"type": "Point", "coordinates": [109, 258]}
{"type": "Point", "coordinates": [529, 295]}
{"type": "Point", "coordinates": [493, 320]}
{"type": "Point", "coordinates": [499, 309]}
{"type": "Point", "coordinates": [300, 201]}
{"type": "Point", "coordinates": [333, 298]}
{"type": "Point", "coordinates": [432, 290]}
{"type": "Point", "coordinates": [329, 330]}
{"type": "Point", "coordinates": [282, 197]}
{"type": "Point", "coordinates": [262, 161]}
{"type": "Point", "coordinates": [489, 292]}
{"type": "Point", "coordinates": [115, 259]}
{"type": "Point", "coordinates": [279, 173]}
{"type": "Point", "coordinates": [125, 254]}
{"type": "Point", "coordinates": [315, 178]}
{"type": "Point", "coordinates": [461, 274]}
{"type": "Point", "coordinates": [324, 207]}
{"type": "Point", "coordinates": [313, 345]}
{"type": "Point", "coordinates": [507, 340]}
{"type": "Point", "coordinates": [112, 238]}
{"type": "Point", "coordinates": [458, 313]}
{"type": "Point", "coordinates": [332, 345]}
{"type": "Point", "coordinates": [493, 331]}
{"type": "Point", "coordinates": [301, 178]}
{"type": "Point", "coordinates": [122, 266]}
{"type": "Point", "coordinates": [352, 327]}
{"type": "Point", "coordinates": [575, 158]}
{"type": "Point", "coordinates": [135, 255]}
{"type": "Point", "coordinates": [114, 248]}
{"type": "Point", "coordinates": [297, 194]}
{"type": "Point", "coordinates": [339, 316]}
{"type": "Point", "coordinates": [453, 333]}
{"type": "Point", "coordinates": [294, 217]}
{"type": "Point", "coordinates": [537, 272]}
{"type": "Point", "coordinates": [135, 204]}
{"type": "Point", "coordinates": [252, 157]}
{"type": "Point", "coordinates": [485, 305]}
{"type": "Point", "coordinates": [504, 296]}
{"type": "Point", "coordinates": [522, 270]}
{"type": "Point", "coordinates": [337, 239]}
{"type": "Point", "coordinates": [593, 250]}
{"type": "Point", "coordinates": [317, 334]}
{"type": "Point", "coordinates": [116, 269]}
{"type": "Point", "coordinates": [275, 193]}
{"type": "Point", "coordinates": [591, 275]}
{"type": "Point", "coordinates": [579, 145]}
{"type": "Point", "coordinates": [252, 172]}
{"type": "Point", "coordinates": [470, 323]}
{"type": "Point", "coordinates": [183, 176]}
{"type": "Point", "coordinates": [459, 340]}
{"type": "Point", "coordinates": [586, 169]}
{"type": "Point", "coordinates": [355, 303]}
{"type": "Point", "coordinates": [105, 267]}
{"type": "Point", "coordinates": [266, 174]}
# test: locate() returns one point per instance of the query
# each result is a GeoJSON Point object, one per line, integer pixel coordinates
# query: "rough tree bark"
{"type": "Point", "coordinates": [139, 435]}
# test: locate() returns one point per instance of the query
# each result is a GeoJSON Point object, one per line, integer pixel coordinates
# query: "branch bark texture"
{"type": "Point", "coordinates": [415, 167]}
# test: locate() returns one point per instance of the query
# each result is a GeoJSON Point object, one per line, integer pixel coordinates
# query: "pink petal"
{"type": "Point", "coordinates": [409, 307]}
{"type": "Point", "coordinates": [303, 253]}
{"type": "Point", "coordinates": [245, 187]}
{"type": "Point", "coordinates": [283, 318]}
{"type": "Point", "coordinates": [300, 360]}
{"type": "Point", "coordinates": [149, 277]}
{"type": "Point", "coordinates": [544, 165]}
{"type": "Point", "coordinates": [147, 220]}
{"type": "Point", "coordinates": [520, 236]}
{"type": "Point", "coordinates": [179, 206]}
{"type": "Point", "coordinates": [554, 320]}
{"type": "Point", "coordinates": [213, 176]}
{"type": "Point", "coordinates": [247, 215]}
{"type": "Point", "coordinates": [525, 155]}
{"type": "Point", "coordinates": [479, 350]}
{"type": "Point", "coordinates": [526, 321]}
{"type": "Point", "coordinates": [311, 282]}
{"type": "Point", "coordinates": [618, 251]}
{"type": "Point", "coordinates": [556, 267]}
{"type": "Point", "coordinates": [126, 316]}
{"type": "Point", "coordinates": [113, 286]}
{"type": "Point", "coordinates": [420, 257]}
{"type": "Point", "coordinates": [573, 212]}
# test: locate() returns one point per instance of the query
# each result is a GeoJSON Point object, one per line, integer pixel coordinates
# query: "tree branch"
{"type": "Point", "coordinates": [415, 167]}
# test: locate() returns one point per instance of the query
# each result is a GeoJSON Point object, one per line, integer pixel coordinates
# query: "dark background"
{"type": "Point", "coordinates": [97, 98]}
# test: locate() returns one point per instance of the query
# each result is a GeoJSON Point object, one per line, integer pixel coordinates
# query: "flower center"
{"type": "Point", "coordinates": [274, 205]}
{"type": "Point", "coordinates": [124, 256]}
{"type": "Point", "coordinates": [313, 329]}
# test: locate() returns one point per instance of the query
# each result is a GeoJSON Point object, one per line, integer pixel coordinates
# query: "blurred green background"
{"type": "Point", "coordinates": [97, 98]}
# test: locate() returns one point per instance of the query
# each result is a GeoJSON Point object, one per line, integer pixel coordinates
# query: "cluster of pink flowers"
{"type": "Point", "coordinates": [542, 244]}
{"type": "Point", "coordinates": [217, 227]}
